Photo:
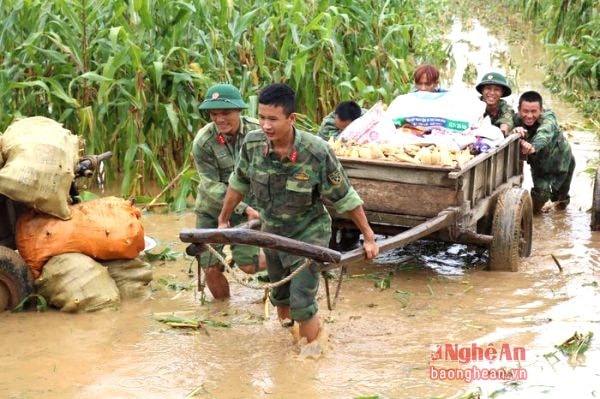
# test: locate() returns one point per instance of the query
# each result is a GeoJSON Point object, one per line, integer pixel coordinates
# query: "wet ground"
{"type": "Point", "coordinates": [381, 340]}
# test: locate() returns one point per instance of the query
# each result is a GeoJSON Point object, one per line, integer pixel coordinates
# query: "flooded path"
{"type": "Point", "coordinates": [381, 341]}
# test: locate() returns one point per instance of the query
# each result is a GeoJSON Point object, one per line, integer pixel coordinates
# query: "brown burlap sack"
{"type": "Point", "coordinates": [77, 283]}
{"type": "Point", "coordinates": [133, 277]}
{"type": "Point", "coordinates": [40, 156]}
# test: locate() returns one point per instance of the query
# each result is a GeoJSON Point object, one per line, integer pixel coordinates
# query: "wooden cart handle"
{"type": "Point", "coordinates": [247, 236]}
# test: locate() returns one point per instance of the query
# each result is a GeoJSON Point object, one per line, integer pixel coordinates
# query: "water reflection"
{"type": "Point", "coordinates": [473, 45]}
{"type": "Point", "coordinates": [441, 258]}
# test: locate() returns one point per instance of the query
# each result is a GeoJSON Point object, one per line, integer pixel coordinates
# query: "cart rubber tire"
{"type": "Point", "coordinates": [595, 223]}
{"type": "Point", "coordinates": [15, 279]}
{"type": "Point", "coordinates": [512, 229]}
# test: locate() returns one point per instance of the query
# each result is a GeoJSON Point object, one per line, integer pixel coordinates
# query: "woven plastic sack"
{"type": "Point", "coordinates": [372, 127]}
{"type": "Point", "coordinates": [105, 229]}
{"type": "Point", "coordinates": [39, 158]}
{"type": "Point", "coordinates": [133, 277]}
{"type": "Point", "coordinates": [77, 283]}
{"type": "Point", "coordinates": [454, 111]}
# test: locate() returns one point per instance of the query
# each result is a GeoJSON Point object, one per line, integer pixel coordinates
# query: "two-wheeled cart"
{"type": "Point", "coordinates": [480, 203]}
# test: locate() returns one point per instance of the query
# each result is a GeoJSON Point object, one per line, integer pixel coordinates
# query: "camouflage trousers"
{"type": "Point", "coordinates": [552, 186]}
{"type": "Point", "coordinates": [300, 293]}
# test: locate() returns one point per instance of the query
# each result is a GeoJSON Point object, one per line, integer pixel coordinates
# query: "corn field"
{"type": "Point", "coordinates": [571, 30]}
{"type": "Point", "coordinates": [128, 76]}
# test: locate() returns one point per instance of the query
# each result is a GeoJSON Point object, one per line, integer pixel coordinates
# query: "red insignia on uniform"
{"type": "Point", "coordinates": [294, 155]}
{"type": "Point", "coordinates": [215, 95]}
{"type": "Point", "coordinates": [221, 139]}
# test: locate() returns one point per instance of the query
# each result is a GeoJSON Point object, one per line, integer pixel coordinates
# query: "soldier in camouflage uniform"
{"type": "Point", "coordinates": [548, 152]}
{"type": "Point", "coordinates": [215, 149]}
{"type": "Point", "coordinates": [334, 123]}
{"type": "Point", "coordinates": [290, 172]}
{"type": "Point", "coordinates": [492, 87]}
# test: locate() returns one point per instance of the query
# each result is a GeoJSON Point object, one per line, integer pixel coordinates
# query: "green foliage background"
{"type": "Point", "coordinates": [128, 75]}
{"type": "Point", "coordinates": [571, 30]}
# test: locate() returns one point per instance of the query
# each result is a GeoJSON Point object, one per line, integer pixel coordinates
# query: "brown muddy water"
{"type": "Point", "coordinates": [381, 341]}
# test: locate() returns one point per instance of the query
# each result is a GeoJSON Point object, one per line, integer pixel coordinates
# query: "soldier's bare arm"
{"type": "Point", "coordinates": [360, 219]}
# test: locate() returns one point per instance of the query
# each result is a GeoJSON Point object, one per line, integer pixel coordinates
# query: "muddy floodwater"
{"type": "Point", "coordinates": [381, 341]}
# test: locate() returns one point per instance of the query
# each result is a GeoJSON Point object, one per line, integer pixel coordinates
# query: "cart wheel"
{"type": "Point", "coordinates": [511, 230]}
{"type": "Point", "coordinates": [595, 224]}
{"type": "Point", "coordinates": [15, 279]}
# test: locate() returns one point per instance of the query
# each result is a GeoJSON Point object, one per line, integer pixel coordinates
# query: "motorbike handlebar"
{"type": "Point", "coordinates": [88, 164]}
{"type": "Point", "coordinates": [103, 156]}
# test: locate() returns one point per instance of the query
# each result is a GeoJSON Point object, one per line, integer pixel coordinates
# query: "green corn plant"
{"type": "Point", "coordinates": [571, 31]}
{"type": "Point", "coordinates": [128, 76]}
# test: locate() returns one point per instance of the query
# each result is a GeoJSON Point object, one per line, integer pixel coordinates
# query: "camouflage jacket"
{"type": "Point", "coordinates": [552, 150]}
{"type": "Point", "coordinates": [215, 155]}
{"type": "Point", "coordinates": [289, 193]}
{"type": "Point", "coordinates": [328, 128]}
{"type": "Point", "coordinates": [504, 114]}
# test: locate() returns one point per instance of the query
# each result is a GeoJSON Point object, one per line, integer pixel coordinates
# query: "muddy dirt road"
{"type": "Point", "coordinates": [380, 341]}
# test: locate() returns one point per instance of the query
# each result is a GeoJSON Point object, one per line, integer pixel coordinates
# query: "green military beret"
{"type": "Point", "coordinates": [494, 78]}
{"type": "Point", "coordinates": [223, 96]}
